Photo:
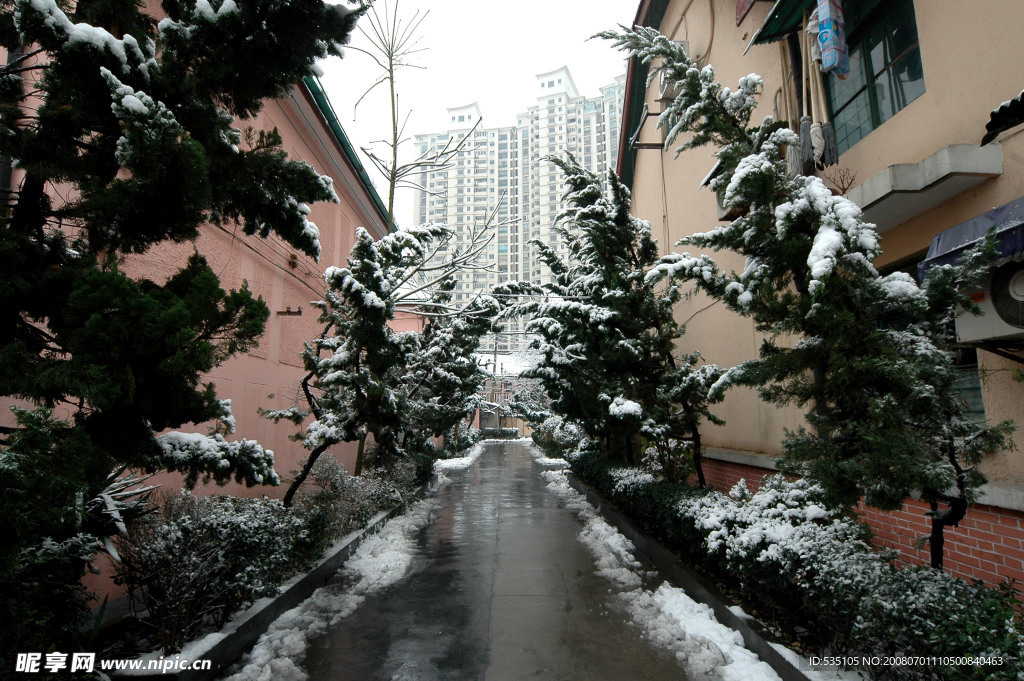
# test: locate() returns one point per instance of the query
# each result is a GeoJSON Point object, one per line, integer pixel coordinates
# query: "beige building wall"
{"type": "Point", "coordinates": [969, 67]}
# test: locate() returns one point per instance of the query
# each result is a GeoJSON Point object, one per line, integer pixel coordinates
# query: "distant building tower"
{"type": "Point", "coordinates": [501, 171]}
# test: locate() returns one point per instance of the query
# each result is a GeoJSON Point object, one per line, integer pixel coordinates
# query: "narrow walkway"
{"type": "Point", "coordinates": [501, 590]}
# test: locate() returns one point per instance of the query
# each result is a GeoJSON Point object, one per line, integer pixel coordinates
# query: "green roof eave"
{"type": "Point", "coordinates": [316, 91]}
{"type": "Point", "coordinates": [783, 18]}
{"type": "Point", "coordinates": [636, 91]}
{"type": "Point", "coordinates": [649, 13]}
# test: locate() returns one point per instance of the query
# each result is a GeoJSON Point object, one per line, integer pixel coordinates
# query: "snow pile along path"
{"type": "Point", "coordinates": [461, 463]}
{"type": "Point", "coordinates": [539, 457]}
{"type": "Point", "coordinates": [380, 561]}
{"type": "Point", "coordinates": [668, 617]}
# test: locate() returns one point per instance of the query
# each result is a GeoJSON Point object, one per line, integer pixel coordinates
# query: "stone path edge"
{"type": "Point", "coordinates": [242, 632]}
{"type": "Point", "coordinates": [695, 585]}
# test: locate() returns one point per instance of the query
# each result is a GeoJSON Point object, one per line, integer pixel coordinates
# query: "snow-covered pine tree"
{"type": "Point", "coordinates": [872, 360]}
{"type": "Point", "coordinates": [354, 388]}
{"type": "Point", "coordinates": [121, 128]}
{"type": "Point", "coordinates": [686, 393]}
{"type": "Point", "coordinates": [605, 331]}
{"type": "Point", "coordinates": [442, 378]}
{"type": "Point", "coordinates": [528, 401]}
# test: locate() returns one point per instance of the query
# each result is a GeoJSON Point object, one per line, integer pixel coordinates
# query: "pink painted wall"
{"type": "Point", "coordinates": [268, 376]}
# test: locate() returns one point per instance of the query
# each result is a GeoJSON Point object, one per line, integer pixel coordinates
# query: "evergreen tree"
{"type": "Point", "coordinates": [121, 127]}
{"type": "Point", "coordinates": [442, 379]}
{"type": "Point", "coordinates": [687, 393]}
{"type": "Point", "coordinates": [605, 332]}
{"type": "Point", "coordinates": [358, 383]}
{"type": "Point", "coordinates": [872, 360]}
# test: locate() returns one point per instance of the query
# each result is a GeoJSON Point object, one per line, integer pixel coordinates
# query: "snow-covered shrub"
{"type": "Point", "coordinates": [925, 612]}
{"type": "Point", "coordinates": [801, 564]}
{"type": "Point", "coordinates": [457, 440]}
{"type": "Point", "coordinates": [650, 500]}
{"type": "Point", "coordinates": [199, 559]}
{"type": "Point", "coordinates": [557, 437]}
{"type": "Point", "coordinates": [794, 557]}
{"type": "Point", "coordinates": [333, 503]}
{"type": "Point", "coordinates": [386, 488]}
{"type": "Point", "coordinates": [628, 479]}
{"type": "Point", "coordinates": [330, 506]}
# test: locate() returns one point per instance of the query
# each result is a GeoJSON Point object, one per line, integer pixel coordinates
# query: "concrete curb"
{"type": "Point", "coordinates": [697, 586]}
{"type": "Point", "coordinates": [242, 632]}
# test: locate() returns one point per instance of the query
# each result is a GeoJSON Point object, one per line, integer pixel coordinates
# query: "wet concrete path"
{"type": "Point", "coordinates": [500, 590]}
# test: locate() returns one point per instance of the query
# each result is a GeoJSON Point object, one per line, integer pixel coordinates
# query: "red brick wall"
{"type": "Point", "coordinates": [988, 544]}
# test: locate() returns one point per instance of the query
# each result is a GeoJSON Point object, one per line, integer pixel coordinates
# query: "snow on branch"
{"type": "Point", "coordinates": [212, 455]}
{"type": "Point", "coordinates": [44, 21]}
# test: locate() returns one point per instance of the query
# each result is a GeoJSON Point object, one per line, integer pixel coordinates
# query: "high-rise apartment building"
{"type": "Point", "coordinates": [502, 172]}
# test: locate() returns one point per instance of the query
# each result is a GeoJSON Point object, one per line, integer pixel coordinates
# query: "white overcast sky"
{"type": "Point", "coordinates": [476, 51]}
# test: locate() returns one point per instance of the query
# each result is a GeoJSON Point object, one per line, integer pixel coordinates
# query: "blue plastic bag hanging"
{"type": "Point", "coordinates": [835, 55]}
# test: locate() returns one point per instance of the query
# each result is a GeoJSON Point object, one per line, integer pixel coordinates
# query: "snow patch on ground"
{"type": "Point", "coordinates": [461, 463]}
{"type": "Point", "coordinates": [539, 457]}
{"type": "Point", "coordinates": [380, 561]}
{"type": "Point", "coordinates": [668, 617]}
{"type": "Point", "coordinates": [739, 612]}
{"type": "Point", "coordinates": [803, 664]}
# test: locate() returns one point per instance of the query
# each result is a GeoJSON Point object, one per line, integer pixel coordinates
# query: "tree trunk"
{"type": "Point", "coordinates": [953, 514]}
{"type": "Point", "coordinates": [289, 496]}
{"type": "Point", "coordinates": [698, 464]}
{"type": "Point", "coordinates": [359, 456]}
{"type": "Point", "coordinates": [940, 519]}
{"type": "Point", "coordinates": [32, 207]}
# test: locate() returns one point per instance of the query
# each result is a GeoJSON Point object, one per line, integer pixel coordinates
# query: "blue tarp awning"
{"type": "Point", "coordinates": [1008, 221]}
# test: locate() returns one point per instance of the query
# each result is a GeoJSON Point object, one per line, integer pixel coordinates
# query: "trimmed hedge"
{"type": "Point", "coordinates": [195, 561]}
{"type": "Point", "coordinates": [499, 433]}
{"type": "Point", "coordinates": [806, 568]}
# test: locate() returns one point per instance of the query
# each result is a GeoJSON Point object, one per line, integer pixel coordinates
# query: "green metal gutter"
{"type": "Point", "coordinates": [316, 91]}
{"type": "Point", "coordinates": [649, 13]}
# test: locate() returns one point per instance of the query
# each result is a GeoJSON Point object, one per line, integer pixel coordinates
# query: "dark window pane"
{"type": "Point", "coordinates": [853, 122]}
{"type": "Point", "coordinates": [894, 34]}
{"type": "Point", "coordinates": [900, 85]}
{"type": "Point", "coordinates": [856, 12]}
{"type": "Point", "coordinates": [842, 91]}
{"type": "Point", "coordinates": [885, 69]}
{"type": "Point", "coordinates": [969, 387]}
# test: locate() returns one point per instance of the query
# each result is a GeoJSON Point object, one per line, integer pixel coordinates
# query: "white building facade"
{"type": "Point", "coordinates": [501, 171]}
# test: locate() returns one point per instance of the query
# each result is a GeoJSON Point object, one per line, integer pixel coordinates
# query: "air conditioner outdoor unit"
{"type": "Point", "coordinates": [668, 91]}
{"type": "Point", "coordinates": [1002, 308]}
